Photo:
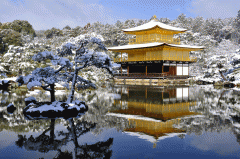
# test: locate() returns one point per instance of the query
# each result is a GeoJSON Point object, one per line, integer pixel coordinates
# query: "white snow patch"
{"type": "Point", "coordinates": [11, 78]}
{"type": "Point", "coordinates": [134, 46]}
{"type": "Point", "coordinates": [56, 106]}
{"type": "Point", "coordinates": [35, 92]}
{"type": "Point", "coordinates": [133, 117]}
{"type": "Point", "coordinates": [236, 125]}
{"type": "Point", "coordinates": [154, 23]}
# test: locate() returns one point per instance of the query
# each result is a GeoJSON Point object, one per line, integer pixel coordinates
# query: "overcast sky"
{"type": "Point", "coordinates": [45, 14]}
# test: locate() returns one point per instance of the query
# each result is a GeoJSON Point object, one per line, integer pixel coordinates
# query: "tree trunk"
{"type": "Point", "coordinates": [52, 130]}
{"type": "Point", "coordinates": [52, 92]}
{"type": "Point", "coordinates": [73, 131]}
{"type": "Point", "coordinates": [71, 95]}
{"type": "Point", "coordinates": [224, 78]}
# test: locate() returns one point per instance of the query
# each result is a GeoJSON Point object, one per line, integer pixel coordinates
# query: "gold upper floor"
{"type": "Point", "coordinates": [155, 34]}
{"type": "Point", "coordinates": [150, 34]}
{"type": "Point", "coordinates": [150, 38]}
{"type": "Point", "coordinates": [157, 54]}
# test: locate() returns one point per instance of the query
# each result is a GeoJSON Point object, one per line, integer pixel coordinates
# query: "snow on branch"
{"type": "Point", "coordinates": [33, 84]}
{"type": "Point", "coordinates": [98, 59]}
{"type": "Point", "coordinates": [66, 49]}
{"type": "Point", "coordinates": [39, 77]}
{"type": "Point", "coordinates": [102, 60]}
{"type": "Point", "coordinates": [99, 42]}
{"type": "Point", "coordinates": [63, 62]}
{"type": "Point", "coordinates": [23, 80]}
{"type": "Point", "coordinates": [41, 56]}
{"type": "Point", "coordinates": [84, 84]}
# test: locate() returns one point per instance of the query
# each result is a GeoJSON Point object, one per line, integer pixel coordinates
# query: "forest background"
{"type": "Point", "coordinates": [221, 38]}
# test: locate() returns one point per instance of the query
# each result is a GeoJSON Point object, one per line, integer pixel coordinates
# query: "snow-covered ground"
{"type": "Point", "coordinates": [225, 58]}
{"type": "Point", "coordinates": [10, 78]}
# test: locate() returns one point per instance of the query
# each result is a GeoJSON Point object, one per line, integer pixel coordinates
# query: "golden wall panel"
{"type": "Point", "coordinates": [165, 54]}
{"type": "Point", "coordinates": [186, 56]}
{"type": "Point", "coordinates": [179, 55]}
{"type": "Point", "coordinates": [162, 108]}
{"type": "Point", "coordinates": [153, 127]}
{"type": "Point", "coordinates": [172, 55]}
{"type": "Point", "coordinates": [148, 38]}
{"type": "Point", "coordinates": [138, 105]}
{"type": "Point", "coordinates": [131, 56]}
{"type": "Point", "coordinates": [154, 55]}
{"type": "Point", "coordinates": [137, 56]}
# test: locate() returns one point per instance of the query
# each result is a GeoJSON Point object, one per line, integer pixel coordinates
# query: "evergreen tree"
{"type": "Point", "coordinates": [53, 32]}
{"type": "Point", "coordinates": [164, 20]}
{"type": "Point", "coordinates": [237, 28]}
{"type": "Point", "coordinates": [237, 21]}
{"type": "Point", "coordinates": [67, 27]}
{"type": "Point", "coordinates": [197, 24]}
{"type": "Point", "coordinates": [20, 26]}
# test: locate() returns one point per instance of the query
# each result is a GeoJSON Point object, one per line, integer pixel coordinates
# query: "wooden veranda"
{"type": "Point", "coordinates": [149, 76]}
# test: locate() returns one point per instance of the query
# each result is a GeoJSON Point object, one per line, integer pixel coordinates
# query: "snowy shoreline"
{"type": "Point", "coordinates": [191, 81]}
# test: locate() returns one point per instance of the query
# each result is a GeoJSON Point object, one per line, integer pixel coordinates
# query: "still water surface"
{"type": "Point", "coordinates": [127, 122]}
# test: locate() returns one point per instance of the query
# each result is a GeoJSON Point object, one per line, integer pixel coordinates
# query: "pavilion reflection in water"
{"type": "Point", "coordinates": [152, 112]}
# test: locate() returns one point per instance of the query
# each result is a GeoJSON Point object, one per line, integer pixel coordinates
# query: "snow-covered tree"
{"type": "Point", "coordinates": [48, 76]}
{"type": "Point", "coordinates": [222, 58]}
{"type": "Point", "coordinates": [237, 21]}
{"type": "Point", "coordinates": [83, 57]}
{"type": "Point", "coordinates": [197, 24]}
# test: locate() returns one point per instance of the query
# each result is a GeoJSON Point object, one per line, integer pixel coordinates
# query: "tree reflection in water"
{"type": "Point", "coordinates": [219, 109]}
{"type": "Point", "coordinates": [218, 112]}
{"type": "Point", "coordinates": [45, 143]}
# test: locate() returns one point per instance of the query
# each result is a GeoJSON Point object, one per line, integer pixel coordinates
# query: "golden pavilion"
{"type": "Point", "coordinates": [154, 52]}
{"type": "Point", "coordinates": [152, 113]}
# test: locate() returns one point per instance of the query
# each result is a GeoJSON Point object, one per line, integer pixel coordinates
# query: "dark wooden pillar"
{"type": "Point", "coordinates": [182, 68]}
{"type": "Point", "coordinates": [146, 93]}
{"type": "Point", "coordinates": [128, 70]}
{"type": "Point", "coordinates": [176, 67]}
{"type": "Point", "coordinates": [171, 71]}
{"type": "Point", "coordinates": [121, 70]}
{"type": "Point", "coordinates": [146, 71]}
{"type": "Point", "coordinates": [121, 98]}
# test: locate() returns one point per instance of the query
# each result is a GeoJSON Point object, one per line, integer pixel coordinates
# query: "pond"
{"type": "Point", "coordinates": [125, 121]}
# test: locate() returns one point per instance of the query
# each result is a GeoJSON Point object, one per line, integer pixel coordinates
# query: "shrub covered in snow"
{"type": "Point", "coordinates": [221, 63]}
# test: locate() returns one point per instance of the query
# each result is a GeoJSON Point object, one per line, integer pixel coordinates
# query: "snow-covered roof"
{"type": "Point", "coordinates": [146, 45]}
{"type": "Point", "coordinates": [127, 116]}
{"type": "Point", "coordinates": [151, 138]}
{"type": "Point", "coordinates": [142, 136]}
{"type": "Point", "coordinates": [153, 23]}
{"type": "Point", "coordinates": [134, 46]}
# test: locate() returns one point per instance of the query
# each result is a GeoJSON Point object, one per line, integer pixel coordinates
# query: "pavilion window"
{"type": "Point", "coordinates": [165, 95]}
{"type": "Point", "coordinates": [166, 69]}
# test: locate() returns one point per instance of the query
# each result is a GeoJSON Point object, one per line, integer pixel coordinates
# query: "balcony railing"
{"type": "Point", "coordinates": [191, 59]}
{"type": "Point", "coordinates": [141, 74]}
{"type": "Point", "coordinates": [140, 39]}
